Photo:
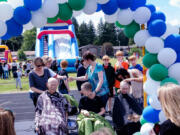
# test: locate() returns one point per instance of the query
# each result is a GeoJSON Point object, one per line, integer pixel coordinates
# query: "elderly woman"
{"type": "Point", "coordinates": [169, 97]}
{"type": "Point", "coordinates": [96, 76]}
{"type": "Point", "coordinates": [38, 78]}
{"type": "Point", "coordinates": [51, 111]}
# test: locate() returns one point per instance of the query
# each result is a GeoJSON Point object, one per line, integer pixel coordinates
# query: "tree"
{"type": "Point", "coordinates": [76, 25]}
{"type": "Point", "coordinates": [29, 40]}
{"type": "Point", "coordinates": [83, 34]}
{"type": "Point", "coordinates": [21, 55]}
{"type": "Point", "coordinates": [91, 33]}
{"type": "Point", "coordinates": [14, 43]}
{"type": "Point", "coordinates": [122, 38]}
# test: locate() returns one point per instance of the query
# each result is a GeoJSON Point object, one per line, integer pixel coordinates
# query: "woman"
{"type": "Point", "coordinates": [169, 97]}
{"type": "Point", "coordinates": [96, 76]}
{"type": "Point", "coordinates": [6, 71]}
{"type": "Point", "coordinates": [38, 78]}
{"type": "Point", "coordinates": [6, 122]}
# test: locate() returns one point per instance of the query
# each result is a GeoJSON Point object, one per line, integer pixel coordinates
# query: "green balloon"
{"type": "Point", "coordinates": [119, 25]}
{"type": "Point", "coordinates": [158, 72]}
{"type": "Point", "coordinates": [77, 4]}
{"type": "Point", "coordinates": [169, 80]}
{"type": "Point", "coordinates": [65, 12]}
{"type": "Point", "coordinates": [131, 29]}
{"type": "Point", "coordinates": [52, 20]}
{"type": "Point", "coordinates": [150, 59]}
{"type": "Point", "coordinates": [142, 120]}
{"type": "Point", "coordinates": [137, 133]}
{"type": "Point", "coordinates": [3, 0]}
{"type": "Point", "coordinates": [146, 52]}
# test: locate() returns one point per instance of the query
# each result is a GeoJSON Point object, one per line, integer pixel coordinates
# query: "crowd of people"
{"type": "Point", "coordinates": [98, 84]}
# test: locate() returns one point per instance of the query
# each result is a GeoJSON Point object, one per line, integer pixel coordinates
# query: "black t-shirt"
{"type": "Point", "coordinates": [62, 86]}
{"type": "Point", "coordinates": [93, 105]}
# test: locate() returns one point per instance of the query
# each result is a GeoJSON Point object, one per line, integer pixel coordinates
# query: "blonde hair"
{"type": "Point", "coordinates": [64, 64]}
{"type": "Point", "coordinates": [6, 122]}
{"type": "Point", "coordinates": [105, 57]}
{"type": "Point", "coordinates": [119, 53]}
{"type": "Point", "coordinates": [132, 57]}
{"type": "Point", "coordinates": [102, 131]}
{"type": "Point", "coordinates": [169, 96]}
{"type": "Point", "coordinates": [46, 59]}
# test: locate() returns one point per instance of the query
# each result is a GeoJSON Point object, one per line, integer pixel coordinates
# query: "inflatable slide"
{"type": "Point", "coordinates": [58, 41]}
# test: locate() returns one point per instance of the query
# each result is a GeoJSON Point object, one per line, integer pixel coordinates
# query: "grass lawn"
{"type": "Point", "coordinates": [7, 86]}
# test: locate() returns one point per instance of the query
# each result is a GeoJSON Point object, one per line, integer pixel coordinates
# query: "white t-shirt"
{"type": "Point", "coordinates": [14, 64]}
{"type": "Point", "coordinates": [28, 66]}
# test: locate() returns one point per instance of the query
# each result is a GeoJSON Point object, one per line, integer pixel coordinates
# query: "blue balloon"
{"type": "Point", "coordinates": [22, 15]}
{"type": "Point", "coordinates": [151, 7]}
{"type": "Point", "coordinates": [33, 4]}
{"type": "Point", "coordinates": [151, 115]}
{"type": "Point", "coordinates": [178, 57]}
{"type": "Point", "coordinates": [157, 15]}
{"type": "Point", "coordinates": [98, 7]}
{"type": "Point", "coordinates": [110, 7]}
{"type": "Point", "coordinates": [157, 28]}
{"type": "Point", "coordinates": [173, 41]}
{"type": "Point", "coordinates": [13, 28]}
{"type": "Point", "coordinates": [6, 37]}
{"type": "Point", "coordinates": [137, 3]}
{"type": "Point", "coordinates": [123, 4]}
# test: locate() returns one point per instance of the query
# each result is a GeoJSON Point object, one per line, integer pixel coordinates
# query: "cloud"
{"type": "Point", "coordinates": [174, 22]}
{"type": "Point", "coordinates": [175, 3]}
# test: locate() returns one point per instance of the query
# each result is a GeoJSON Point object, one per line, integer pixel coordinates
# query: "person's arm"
{"type": "Point", "coordinates": [53, 74]}
{"type": "Point", "coordinates": [102, 111]}
{"type": "Point", "coordinates": [82, 78]}
{"type": "Point", "coordinates": [99, 85]}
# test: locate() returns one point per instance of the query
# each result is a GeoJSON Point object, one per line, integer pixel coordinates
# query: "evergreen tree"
{"type": "Point", "coordinates": [122, 38]}
{"type": "Point", "coordinates": [76, 26]}
{"type": "Point", "coordinates": [29, 40]}
{"type": "Point", "coordinates": [83, 34]}
{"type": "Point", "coordinates": [91, 33]}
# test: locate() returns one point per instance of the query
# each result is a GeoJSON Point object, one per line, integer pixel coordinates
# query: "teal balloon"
{"type": "Point", "coordinates": [119, 25]}
{"type": "Point", "coordinates": [131, 29]}
{"type": "Point", "coordinates": [150, 59]}
{"type": "Point", "coordinates": [52, 20]}
{"type": "Point", "coordinates": [142, 120]}
{"type": "Point", "coordinates": [77, 4]}
{"type": "Point", "coordinates": [169, 80]}
{"type": "Point", "coordinates": [137, 133]}
{"type": "Point", "coordinates": [158, 72]}
{"type": "Point", "coordinates": [65, 12]}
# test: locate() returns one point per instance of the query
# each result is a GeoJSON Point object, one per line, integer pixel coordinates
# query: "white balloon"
{"type": "Point", "coordinates": [142, 15]}
{"type": "Point", "coordinates": [167, 56]}
{"type": "Point", "coordinates": [111, 18]}
{"type": "Point", "coordinates": [174, 71]}
{"type": "Point", "coordinates": [61, 1]}
{"type": "Point", "coordinates": [141, 37]}
{"type": "Point", "coordinates": [147, 74]}
{"type": "Point", "coordinates": [151, 86]}
{"type": "Point", "coordinates": [77, 13]}
{"type": "Point", "coordinates": [16, 3]}
{"type": "Point", "coordinates": [146, 128]}
{"type": "Point", "coordinates": [154, 102]}
{"type": "Point", "coordinates": [6, 11]}
{"type": "Point", "coordinates": [162, 117]}
{"type": "Point", "coordinates": [3, 28]}
{"type": "Point", "coordinates": [170, 30]}
{"type": "Point", "coordinates": [50, 8]}
{"type": "Point", "coordinates": [102, 1]}
{"type": "Point", "coordinates": [125, 16]}
{"type": "Point", "coordinates": [38, 20]}
{"type": "Point", "coordinates": [90, 7]}
{"type": "Point", "coordinates": [154, 44]}
{"type": "Point", "coordinates": [28, 26]}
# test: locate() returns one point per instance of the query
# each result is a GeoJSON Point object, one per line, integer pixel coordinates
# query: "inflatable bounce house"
{"type": "Point", "coordinates": [58, 40]}
{"type": "Point", "coordinates": [7, 54]}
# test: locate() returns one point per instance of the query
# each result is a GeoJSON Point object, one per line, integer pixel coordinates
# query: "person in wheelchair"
{"type": "Point", "coordinates": [90, 102]}
{"type": "Point", "coordinates": [52, 111]}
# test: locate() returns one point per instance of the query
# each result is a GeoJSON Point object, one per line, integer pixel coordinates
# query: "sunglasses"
{"type": "Point", "coordinates": [106, 59]}
{"type": "Point", "coordinates": [39, 65]}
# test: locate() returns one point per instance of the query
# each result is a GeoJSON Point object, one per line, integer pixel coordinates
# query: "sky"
{"type": "Point", "coordinates": [171, 8]}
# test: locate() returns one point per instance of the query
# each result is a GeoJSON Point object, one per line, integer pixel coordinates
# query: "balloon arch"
{"type": "Point", "coordinates": [161, 41]}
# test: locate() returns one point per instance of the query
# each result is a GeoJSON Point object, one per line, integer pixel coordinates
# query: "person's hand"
{"type": "Point", "coordinates": [85, 112]}
{"type": "Point", "coordinates": [129, 80]}
{"type": "Point", "coordinates": [64, 77]}
{"type": "Point", "coordinates": [36, 129]}
{"type": "Point", "coordinates": [71, 79]}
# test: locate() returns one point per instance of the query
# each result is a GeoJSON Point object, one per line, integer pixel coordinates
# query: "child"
{"type": "Point", "coordinates": [134, 65]}
{"type": "Point", "coordinates": [63, 85]}
{"type": "Point", "coordinates": [126, 112]}
{"type": "Point", "coordinates": [119, 65]}
{"type": "Point", "coordinates": [90, 102]}
{"type": "Point", "coordinates": [110, 75]}
{"type": "Point", "coordinates": [17, 75]}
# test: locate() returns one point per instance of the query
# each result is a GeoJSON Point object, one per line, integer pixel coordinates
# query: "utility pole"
{"type": "Point", "coordinates": [118, 30]}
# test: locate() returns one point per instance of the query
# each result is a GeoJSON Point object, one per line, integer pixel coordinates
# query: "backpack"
{"type": "Point", "coordinates": [15, 75]}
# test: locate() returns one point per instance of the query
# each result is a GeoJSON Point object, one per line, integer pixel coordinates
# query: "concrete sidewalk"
{"type": "Point", "coordinates": [24, 128]}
